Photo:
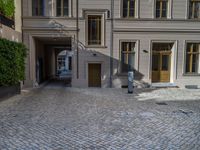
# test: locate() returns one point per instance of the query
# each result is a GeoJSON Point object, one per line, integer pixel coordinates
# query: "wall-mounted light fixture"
{"type": "Point", "coordinates": [145, 51]}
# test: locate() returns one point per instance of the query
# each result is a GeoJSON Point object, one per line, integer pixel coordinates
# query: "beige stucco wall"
{"type": "Point", "coordinates": [13, 34]}
{"type": "Point", "coordinates": [18, 19]}
{"type": "Point", "coordinates": [10, 34]}
{"type": "Point", "coordinates": [144, 29]}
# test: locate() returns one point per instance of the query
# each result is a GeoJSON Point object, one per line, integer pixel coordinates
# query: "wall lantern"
{"type": "Point", "coordinates": [145, 51]}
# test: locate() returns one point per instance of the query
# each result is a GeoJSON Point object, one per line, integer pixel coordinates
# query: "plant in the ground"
{"type": "Point", "coordinates": [12, 62]}
{"type": "Point", "coordinates": [7, 8]}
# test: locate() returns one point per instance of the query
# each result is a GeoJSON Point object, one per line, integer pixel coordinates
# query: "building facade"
{"type": "Point", "coordinates": [158, 39]}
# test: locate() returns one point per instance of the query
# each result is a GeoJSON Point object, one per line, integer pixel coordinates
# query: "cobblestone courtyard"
{"type": "Point", "coordinates": [59, 118]}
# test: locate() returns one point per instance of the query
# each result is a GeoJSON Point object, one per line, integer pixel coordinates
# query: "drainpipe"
{"type": "Point", "coordinates": [22, 32]}
{"type": "Point", "coordinates": [111, 42]}
{"type": "Point", "coordinates": [22, 23]}
{"type": "Point", "coordinates": [77, 34]}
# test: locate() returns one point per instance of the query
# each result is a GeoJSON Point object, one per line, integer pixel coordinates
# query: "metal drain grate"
{"type": "Point", "coordinates": [161, 103]}
{"type": "Point", "coordinates": [180, 111]}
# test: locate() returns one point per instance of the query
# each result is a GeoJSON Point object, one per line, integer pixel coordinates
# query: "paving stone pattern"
{"type": "Point", "coordinates": [98, 119]}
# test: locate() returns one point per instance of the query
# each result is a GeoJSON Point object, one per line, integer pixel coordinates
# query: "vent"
{"type": "Point", "coordinates": [161, 103]}
{"type": "Point", "coordinates": [191, 86]}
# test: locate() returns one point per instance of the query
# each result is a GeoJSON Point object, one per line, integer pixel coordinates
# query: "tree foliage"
{"type": "Point", "coordinates": [7, 8]}
{"type": "Point", "coordinates": [12, 62]}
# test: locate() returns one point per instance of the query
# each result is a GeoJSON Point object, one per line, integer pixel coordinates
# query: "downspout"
{"type": "Point", "coordinates": [22, 22]}
{"type": "Point", "coordinates": [77, 38]}
{"type": "Point", "coordinates": [22, 32]}
{"type": "Point", "coordinates": [111, 42]}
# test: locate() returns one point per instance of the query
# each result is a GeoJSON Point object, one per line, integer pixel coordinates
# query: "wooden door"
{"type": "Point", "coordinates": [156, 67]}
{"type": "Point", "coordinates": [161, 66]}
{"type": "Point", "coordinates": [165, 67]}
{"type": "Point", "coordinates": [94, 75]}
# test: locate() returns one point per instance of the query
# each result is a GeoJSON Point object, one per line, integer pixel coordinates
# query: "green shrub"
{"type": "Point", "coordinates": [7, 8]}
{"type": "Point", "coordinates": [12, 62]}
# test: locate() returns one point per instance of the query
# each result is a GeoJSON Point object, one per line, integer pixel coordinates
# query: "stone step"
{"type": "Point", "coordinates": [164, 85]}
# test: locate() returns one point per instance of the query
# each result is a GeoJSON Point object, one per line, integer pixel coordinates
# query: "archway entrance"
{"type": "Point", "coordinates": [54, 61]}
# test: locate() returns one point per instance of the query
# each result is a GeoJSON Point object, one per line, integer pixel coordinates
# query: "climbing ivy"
{"type": "Point", "coordinates": [7, 8]}
{"type": "Point", "coordinates": [12, 62]}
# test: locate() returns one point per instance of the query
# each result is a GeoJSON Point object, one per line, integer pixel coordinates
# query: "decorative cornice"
{"type": "Point", "coordinates": [115, 19]}
{"type": "Point", "coordinates": [156, 20]}
{"type": "Point", "coordinates": [48, 29]}
{"type": "Point", "coordinates": [47, 17]}
{"type": "Point", "coordinates": [156, 30]}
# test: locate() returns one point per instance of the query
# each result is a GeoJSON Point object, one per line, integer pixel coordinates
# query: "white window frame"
{"type": "Point", "coordinates": [188, 11]}
{"type": "Point", "coordinates": [185, 58]}
{"type": "Point", "coordinates": [169, 8]}
{"type": "Point", "coordinates": [136, 50]}
{"type": "Point", "coordinates": [43, 9]}
{"type": "Point", "coordinates": [136, 10]}
{"type": "Point", "coordinates": [69, 9]}
{"type": "Point", "coordinates": [102, 14]}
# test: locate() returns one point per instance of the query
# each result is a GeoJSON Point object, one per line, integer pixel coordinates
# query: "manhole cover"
{"type": "Point", "coordinates": [161, 103]}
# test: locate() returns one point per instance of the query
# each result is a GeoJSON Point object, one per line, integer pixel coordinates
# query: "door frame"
{"type": "Point", "coordinates": [159, 72]}
{"type": "Point", "coordinates": [87, 70]}
{"type": "Point", "coordinates": [174, 58]}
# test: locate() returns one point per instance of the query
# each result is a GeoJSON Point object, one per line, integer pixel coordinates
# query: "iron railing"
{"type": "Point", "coordinates": [7, 21]}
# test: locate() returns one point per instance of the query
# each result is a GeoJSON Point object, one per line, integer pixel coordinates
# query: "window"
{"type": "Point", "coordinates": [193, 58]}
{"type": "Point", "coordinates": [128, 8]}
{"type": "Point", "coordinates": [38, 7]}
{"type": "Point", "coordinates": [94, 29]}
{"type": "Point", "coordinates": [62, 8]}
{"type": "Point", "coordinates": [161, 8]}
{"type": "Point", "coordinates": [194, 10]}
{"type": "Point", "coordinates": [127, 56]}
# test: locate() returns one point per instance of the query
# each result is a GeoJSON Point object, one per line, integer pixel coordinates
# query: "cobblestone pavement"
{"type": "Point", "coordinates": [59, 118]}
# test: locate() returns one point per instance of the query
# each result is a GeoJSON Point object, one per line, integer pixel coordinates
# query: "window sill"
{"type": "Point", "coordinates": [191, 75]}
{"type": "Point", "coordinates": [196, 19]}
{"type": "Point", "coordinates": [48, 17]}
{"type": "Point", "coordinates": [129, 18]}
{"type": "Point", "coordinates": [162, 18]}
{"type": "Point", "coordinates": [62, 17]}
{"type": "Point", "coordinates": [95, 46]}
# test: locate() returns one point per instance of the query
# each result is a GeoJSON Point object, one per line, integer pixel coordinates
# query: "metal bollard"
{"type": "Point", "coordinates": [130, 81]}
